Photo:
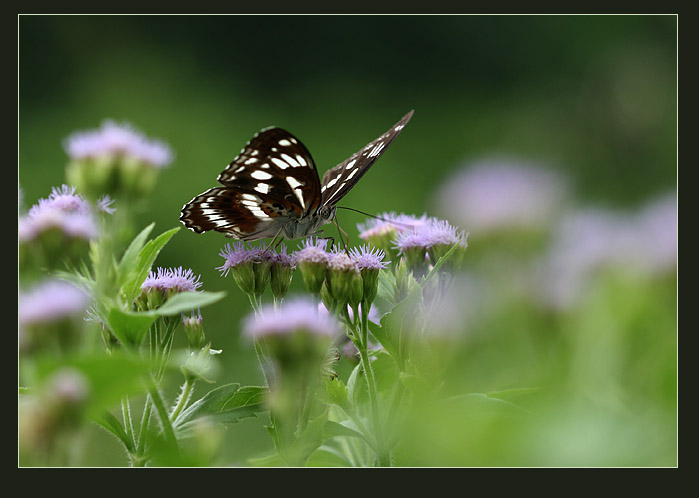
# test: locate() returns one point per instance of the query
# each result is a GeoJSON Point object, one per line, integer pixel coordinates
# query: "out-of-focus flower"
{"type": "Point", "coordinates": [428, 243]}
{"type": "Point", "coordinates": [50, 301]}
{"type": "Point", "coordinates": [63, 210]}
{"type": "Point", "coordinates": [115, 159]}
{"type": "Point", "coordinates": [381, 232]}
{"type": "Point", "coordinates": [644, 243]}
{"type": "Point", "coordinates": [116, 140]}
{"type": "Point", "coordinates": [47, 314]}
{"type": "Point", "coordinates": [295, 315]}
{"type": "Point", "coordinates": [494, 195]}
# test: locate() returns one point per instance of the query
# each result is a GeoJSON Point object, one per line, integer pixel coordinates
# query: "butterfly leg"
{"type": "Point", "coordinates": [275, 243]}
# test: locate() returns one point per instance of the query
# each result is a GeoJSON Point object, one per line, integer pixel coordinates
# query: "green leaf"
{"type": "Point", "coordinates": [130, 256]}
{"type": "Point", "coordinates": [226, 404]}
{"type": "Point", "coordinates": [326, 456]}
{"type": "Point", "coordinates": [273, 460]}
{"type": "Point", "coordinates": [333, 429]}
{"type": "Point", "coordinates": [112, 424]}
{"type": "Point", "coordinates": [186, 301]}
{"type": "Point", "coordinates": [508, 394]}
{"type": "Point", "coordinates": [134, 278]}
{"type": "Point", "coordinates": [110, 376]}
{"type": "Point", "coordinates": [309, 440]}
{"type": "Point", "coordinates": [483, 403]}
{"type": "Point", "coordinates": [337, 393]}
{"type": "Point", "coordinates": [397, 325]}
{"type": "Point", "coordinates": [129, 327]}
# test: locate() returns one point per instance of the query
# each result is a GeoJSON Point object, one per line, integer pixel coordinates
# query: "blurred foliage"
{"type": "Point", "coordinates": [591, 96]}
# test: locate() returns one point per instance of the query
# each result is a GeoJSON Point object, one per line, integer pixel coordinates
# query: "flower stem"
{"type": "Point", "coordinates": [183, 399]}
{"type": "Point", "coordinates": [383, 456]}
{"type": "Point", "coordinates": [162, 414]}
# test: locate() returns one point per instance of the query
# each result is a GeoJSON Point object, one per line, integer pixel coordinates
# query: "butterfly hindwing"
{"type": "Point", "coordinates": [237, 213]}
{"type": "Point", "coordinates": [340, 179]}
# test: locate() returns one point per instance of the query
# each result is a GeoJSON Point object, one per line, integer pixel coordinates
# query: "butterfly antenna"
{"type": "Point", "coordinates": [392, 222]}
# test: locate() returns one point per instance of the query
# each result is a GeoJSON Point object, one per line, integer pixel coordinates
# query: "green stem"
{"type": "Point", "coordinates": [183, 399]}
{"type": "Point", "coordinates": [126, 414]}
{"type": "Point", "coordinates": [162, 414]}
{"type": "Point", "coordinates": [383, 456]}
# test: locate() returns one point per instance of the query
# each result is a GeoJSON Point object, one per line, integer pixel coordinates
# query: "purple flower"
{"type": "Point", "coordinates": [73, 224]}
{"type": "Point", "coordinates": [237, 255]}
{"type": "Point", "coordinates": [314, 250]}
{"type": "Point", "coordinates": [644, 243]}
{"type": "Point", "coordinates": [114, 139]}
{"type": "Point", "coordinates": [49, 302]}
{"type": "Point", "coordinates": [495, 194]}
{"type": "Point", "coordinates": [340, 261]}
{"type": "Point", "coordinates": [433, 232]}
{"type": "Point", "coordinates": [295, 315]}
{"type": "Point", "coordinates": [368, 258]}
{"type": "Point", "coordinates": [63, 199]}
{"type": "Point", "coordinates": [104, 204]}
{"type": "Point", "coordinates": [171, 280]}
{"type": "Point", "coordinates": [282, 258]}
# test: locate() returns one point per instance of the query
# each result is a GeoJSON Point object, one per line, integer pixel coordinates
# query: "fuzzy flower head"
{"type": "Point", "coordinates": [250, 266]}
{"type": "Point", "coordinates": [343, 280]}
{"type": "Point", "coordinates": [429, 242]}
{"type": "Point", "coordinates": [115, 159]}
{"type": "Point", "coordinates": [56, 230]}
{"type": "Point", "coordinates": [369, 261]}
{"type": "Point", "coordinates": [166, 282]}
{"type": "Point", "coordinates": [497, 195]}
{"type": "Point", "coordinates": [281, 272]}
{"type": "Point", "coordinates": [312, 259]}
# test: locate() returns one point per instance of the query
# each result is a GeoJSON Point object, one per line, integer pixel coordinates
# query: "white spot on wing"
{"type": "Point", "coordinates": [251, 160]}
{"type": "Point", "coordinates": [281, 164]}
{"type": "Point", "coordinates": [262, 188]}
{"type": "Point", "coordinates": [301, 160]}
{"type": "Point", "coordinates": [350, 164]}
{"type": "Point", "coordinates": [332, 182]}
{"type": "Point", "coordinates": [261, 175]}
{"type": "Point", "coordinates": [251, 197]}
{"type": "Point", "coordinates": [352, 173]}
{"type": "Point", "coordinates": [293, 182]}
{"type": "Point", "coordinates": [290, 160]}
{"type": "Point", "coordinates": [284, 141]}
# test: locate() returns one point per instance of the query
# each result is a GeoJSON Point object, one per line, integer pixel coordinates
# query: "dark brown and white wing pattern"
{"type": "Point", "coordinates": [271, 182]}
{"type": "Point", "coordinates": [340, 179]}
{"type": "Point", "coordinates": [272, 186]}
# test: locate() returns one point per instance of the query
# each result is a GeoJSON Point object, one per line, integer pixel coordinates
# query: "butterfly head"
{"type": "Point", "coordinates": [310, 224]}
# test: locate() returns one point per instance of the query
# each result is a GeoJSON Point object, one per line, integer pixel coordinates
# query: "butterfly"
{"type": "Point", "coordinates": [273, 187]}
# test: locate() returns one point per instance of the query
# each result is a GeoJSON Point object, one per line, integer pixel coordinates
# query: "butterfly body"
{"type": "Point", "coordinates": [273, 187]}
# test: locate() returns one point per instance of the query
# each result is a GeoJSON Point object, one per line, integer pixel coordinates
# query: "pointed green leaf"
{"type": "Point", "coordinates": [146, 258]}
{"type": "Point", "coordinates": [112, 424]}
{"type": "Point", "coordinates": [130, 256]}
{"type": "Point", "coordinates": [129, 327]}
{"type": "Point", "coordinates": [186, 301]}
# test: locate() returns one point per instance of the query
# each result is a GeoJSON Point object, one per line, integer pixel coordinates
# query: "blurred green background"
{"type": "Point", "coordinates": [591, 96]}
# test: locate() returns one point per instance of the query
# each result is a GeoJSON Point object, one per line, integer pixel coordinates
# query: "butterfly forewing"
{"type": "Point", "coordinates": [340, 179]}
{"type": "Point", "coordinates": [275, 162]}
